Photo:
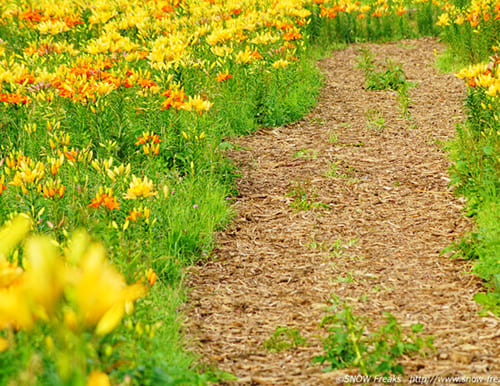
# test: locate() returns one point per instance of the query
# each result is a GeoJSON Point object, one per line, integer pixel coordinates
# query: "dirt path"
{"type": "Point", "coordinates": [391, 213]}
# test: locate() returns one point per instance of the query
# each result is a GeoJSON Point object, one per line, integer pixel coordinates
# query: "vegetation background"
{"type": "Point", "coordinates": [115, 116]}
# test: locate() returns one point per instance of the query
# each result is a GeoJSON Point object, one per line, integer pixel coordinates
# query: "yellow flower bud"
{"type": "Point", "coordinates": [95, 165]}
{"type": "Point", "coordinates": [49, 343]}
{"type": "Point", "coordinates": [4, 344]}
{"type": "Point", "coordinates": [71, 320]}
{"type": "Point", "coordinates": [110, 174]}
{"type": "Point", "coordinates": [98, 378]}
{"type": "Point", "coordinates": [110, 320]}
{"type": "Point", "coordinates": [108, 350]}
{"type": "Point", "coordinates": [129, 308]}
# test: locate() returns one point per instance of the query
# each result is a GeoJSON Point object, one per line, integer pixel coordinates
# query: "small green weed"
{"type": "Point", "coordinates": [317, 121]}
{"type": "Point", "coordinates": [375, 120]}
{"type": "Point", "coordinates": [347, 278]}
{"type": "Point", "coordinates": [304, 200]}
{"type": "Point", "coordinates": [333, 170]}
{"type": "Point", "coordinates": [404, 99]}
{"type": "Point", "coordinates": [284, 338]}
{"type": "Point", "coordinates": [366, 62]}
{"type": "Point", "coordinates": [333, 138]}
{"type": "Point", "coordinates": [392, 78]}
{"type": "Point", "coordinates": [315, 244]}
{"type": "Point", "coordinates": [344, 172]}
{"type": "Point", "coordinates": [339, 247]}
{"type": "Point", "coordinates": [349, 345]}
{"type": "Point", "coordinates": [306, 154]}
{"type": "Point", "coordinates": [490, 302]}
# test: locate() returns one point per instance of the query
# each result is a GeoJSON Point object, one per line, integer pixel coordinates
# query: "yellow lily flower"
{"type": "Point", "coordinates": [101, 292]}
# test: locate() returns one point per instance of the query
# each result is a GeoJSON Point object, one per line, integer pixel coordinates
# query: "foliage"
{"type": "Point", "coordinates": [375, 120]}
{"type": "Point", "coordinates": [472, 30]}
{"type": "Point", "coordinates": [350, 345]}
{"type": "Point", "coordinates": [114, 117]}
{"type": "Point", "coordinates": [392, 78]}
{"type": "Point", "coordinates": [284, 338]}
{"type": "Point", "coordinates": [476, 173]}
{"type": "Point", "coordinates": [304, 199]}
{"type": "Point", "coordinates": [489, 301]}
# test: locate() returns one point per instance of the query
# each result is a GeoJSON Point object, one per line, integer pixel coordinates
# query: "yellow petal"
{"type": "Point", "coordinates": [110, 320]}
{"type": "Point", "coordinates": [71, 319]}
{"type": "Point", "coordinates": [12, 234]}
{"type": "Point", "coordinates": [129, 308]}
{"type": "Point", "coordinates": [44, 274]}
{"type": "Point", "coordinates": [78, 246]}
{"type": "Point", "coordinates": [98, 378]}
{"type": "Point", "coordinates": [4, 344]}
{"type": "Point", "coordinates": [14, 310]}
{"type": "Point", "coordinates": [9, 273]}
{"type": "Point", "coordinates": [134, 292]}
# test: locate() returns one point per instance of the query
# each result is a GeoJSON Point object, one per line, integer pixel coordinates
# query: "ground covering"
{"type": "Point", "coordinates": [115, 118]}
{"type": "Point", "coordinates": [375, 212]}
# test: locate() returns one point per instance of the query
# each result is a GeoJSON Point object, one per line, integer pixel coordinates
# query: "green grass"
{"type": "Point", "coordinates": [448, 62]}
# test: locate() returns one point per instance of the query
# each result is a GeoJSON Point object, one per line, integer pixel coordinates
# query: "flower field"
{"type": "Point", "coordinates": [114, 119]}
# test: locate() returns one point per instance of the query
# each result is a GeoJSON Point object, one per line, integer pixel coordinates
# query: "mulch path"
{"type": "Point", "coordinates": [378, 211]}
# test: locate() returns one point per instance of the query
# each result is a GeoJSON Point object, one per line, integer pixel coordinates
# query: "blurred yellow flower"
{"type": "Point", "coordinates": [4, 344]}
{"type": "Point", "coordinates": [140, 188]}
{"type": "Point", "coordinates": [197, 104]}
{"type": "Point", "coordinates": [281, 63]}
{"type": "Point", "coordinates": [2, 184]}
{"type": "Point", "coordinates": [45, 275]}
{"type": "Point", "coordinates": [9, 273]}
{"type": "Point", "coordinates": [96, 294]}
{"type": "Point", "coordinates": [15, 311]}
{"type": "Point", "coordinates": [98, 378]}
{"type": "Point", "coordinates": [12, 233]}
{"type": "Point", "coordinates": [443, 20]}
{"type": "Point", "coordinates": [101, 292]}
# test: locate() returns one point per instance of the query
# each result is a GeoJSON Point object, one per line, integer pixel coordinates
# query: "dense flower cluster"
{"type": "Point", "coordinates": [79, 291]}
{"type": "Point", "coordinates": [476, 12]}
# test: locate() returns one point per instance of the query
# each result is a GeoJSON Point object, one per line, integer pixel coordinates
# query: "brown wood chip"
{"type": "Point", "coordinates": [390, 208]}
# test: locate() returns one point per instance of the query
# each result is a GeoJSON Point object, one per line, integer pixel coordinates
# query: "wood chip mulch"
{"type": "Point", "coordinates": [378, 246]}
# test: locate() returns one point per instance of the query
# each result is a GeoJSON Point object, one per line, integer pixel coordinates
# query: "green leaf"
{"type": "Point", "coordinates": [482, 299]}
{"type": "Point", "coordinates": [418, 327]}
{"type": "Point", "coordinates": [488, 150]}
{"type": "Point", "coordinates": [496, 282]}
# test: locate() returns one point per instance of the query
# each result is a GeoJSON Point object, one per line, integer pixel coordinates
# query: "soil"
{"type": "Point", "coordinates": [354, 201]}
